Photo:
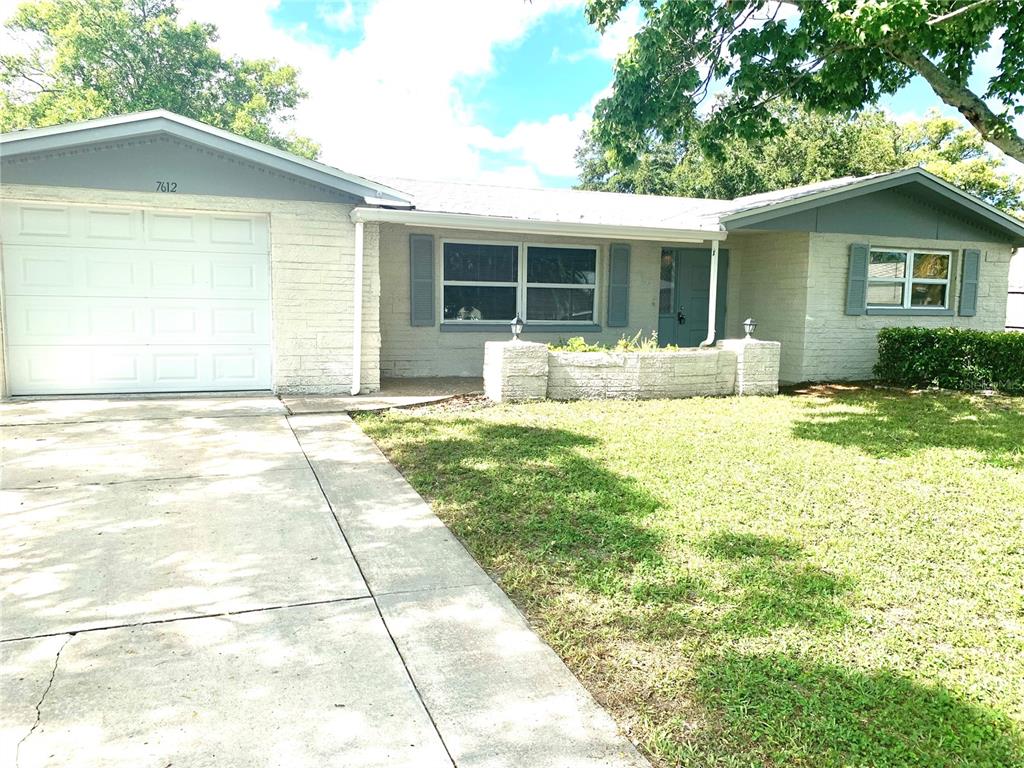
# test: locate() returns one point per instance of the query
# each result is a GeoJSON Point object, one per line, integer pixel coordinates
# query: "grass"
{"type": "Point", "coordinates": [824, 579]}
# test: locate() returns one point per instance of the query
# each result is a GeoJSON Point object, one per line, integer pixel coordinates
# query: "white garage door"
{"type": "Point", "coordinates": [101, 300]}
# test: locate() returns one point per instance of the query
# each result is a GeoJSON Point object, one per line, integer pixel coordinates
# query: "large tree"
{"type": "Point", "coordinates": [809, 147]}
{"type": "Point", "coordinates": [91, 58]}
{"type": "Point", "coordinates": [829, 55]}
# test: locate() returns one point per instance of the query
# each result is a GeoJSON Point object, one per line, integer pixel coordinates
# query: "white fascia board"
{"type": "Point", "coordinates": [534, 227]}
{"type": "Point", "coordinates": [140, 124]}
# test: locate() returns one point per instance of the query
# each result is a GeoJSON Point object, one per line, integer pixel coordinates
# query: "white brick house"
{"type": "Point", "coordinates": [150, 252]}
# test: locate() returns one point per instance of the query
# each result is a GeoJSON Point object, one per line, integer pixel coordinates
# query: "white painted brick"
{"type": "Point", "coordinates": [841, 346]}
{"type": "Point", "coordinates": [515, 371]}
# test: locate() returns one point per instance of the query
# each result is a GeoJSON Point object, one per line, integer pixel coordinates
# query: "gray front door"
{"type": "Point", "coordinates": [683, 296]}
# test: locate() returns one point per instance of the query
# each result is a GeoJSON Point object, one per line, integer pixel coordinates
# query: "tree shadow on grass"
{"type": "Point", "coordinates": [779, 710]}
{"type": "Point", "coordinates": [529, 490]}
{"type": "Point", "coordinates": [893, 423]}
{"type": "Point", "coordinates": [776, 586]}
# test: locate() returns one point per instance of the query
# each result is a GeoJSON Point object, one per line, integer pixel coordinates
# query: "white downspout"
{"type": "Point", "coordinates": [713, 296]}
{"type": "Point", "coordinates": [357, 311]}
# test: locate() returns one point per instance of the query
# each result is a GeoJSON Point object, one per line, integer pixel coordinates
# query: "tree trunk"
{"type": "Point", "coordinates": [992, 129]}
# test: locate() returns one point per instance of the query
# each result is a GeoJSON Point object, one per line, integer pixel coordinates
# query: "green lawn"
{"type": "Point", "coordinates": [830, 579]}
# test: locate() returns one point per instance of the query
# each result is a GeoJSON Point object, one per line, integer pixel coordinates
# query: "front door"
{"type": "Point", "coordinates": [683, 295]}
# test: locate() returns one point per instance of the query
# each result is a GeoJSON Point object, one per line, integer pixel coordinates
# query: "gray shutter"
{"type": "Point", "coordinates": [618, 285]}
{"type": "Point", "coordinates": [421, 279]}
{"type": "Point", "coordinates": [969, 282]}
{"type": "Point", "coordinates": [857, 279]}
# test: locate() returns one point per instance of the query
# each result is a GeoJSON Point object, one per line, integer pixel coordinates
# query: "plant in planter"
{"type": "Point", "coordinates": [636, 343]}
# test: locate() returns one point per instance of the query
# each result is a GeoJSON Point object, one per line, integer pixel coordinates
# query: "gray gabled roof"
{"type": "Point", "coordinates": [562, 206]}
{"type": "Point", "coordinates": [665, 213]}
{"type": "Point", "coordinates": [755, 209]}
{"type": "Point", "coordinates": [159, 121]}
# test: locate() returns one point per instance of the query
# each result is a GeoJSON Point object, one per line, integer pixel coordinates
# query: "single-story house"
{"type": "Point", "coordinates": [150, 252]}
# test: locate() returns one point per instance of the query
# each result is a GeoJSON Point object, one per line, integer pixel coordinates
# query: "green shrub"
{"type": "Point", "coordinates": [636, 343]}
{"type": "Point", "coordinates": [951, 358]}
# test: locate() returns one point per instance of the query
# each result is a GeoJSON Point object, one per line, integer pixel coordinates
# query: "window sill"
{"type": "Point", "coordinates": [904, 312]}
{"type": "Point", "coordinates": [528, 329]}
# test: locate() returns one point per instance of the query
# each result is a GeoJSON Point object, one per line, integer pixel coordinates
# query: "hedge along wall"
{"type": "Point", "coordinates": [951, 358]}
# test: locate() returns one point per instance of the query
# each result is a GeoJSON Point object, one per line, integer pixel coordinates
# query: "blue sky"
{"type": "Point", "coordinates": [491, 90]}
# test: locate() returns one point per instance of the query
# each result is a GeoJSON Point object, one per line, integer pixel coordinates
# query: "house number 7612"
{"type": "Point", "coordinates": [167, 186]}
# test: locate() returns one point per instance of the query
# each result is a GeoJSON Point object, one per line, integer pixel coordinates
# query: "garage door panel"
{"type": "Point", "coordinates": [49, 320]}
{"type": "Point", "coordinates": [37, 222]}
{"type": "Point", "coordinates": [85, 370]}
{"type": "Point", "coordinates": [125, 300]}
{"type": "Point", "coordinates": [120, 226]}
{"type": "Point", "coordinates": [76, 270]}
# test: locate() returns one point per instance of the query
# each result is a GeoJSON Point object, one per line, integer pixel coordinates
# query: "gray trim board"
{"type": "Point", "coordinates": [904, 312]}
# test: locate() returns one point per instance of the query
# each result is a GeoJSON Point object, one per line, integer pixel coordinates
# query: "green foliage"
{"type": "Point", "coordinates": [91, 58]}
{"type": "Point", "coordinates": [951, 358]}
{"type": "Point", "coordinates": [636, 343]}
{"type": "Point", "coordinates": [811, 147]}
{"type": "Point", "coordinates": [824, 580]}
{"type": "Point", "coordinates": [834, 57]}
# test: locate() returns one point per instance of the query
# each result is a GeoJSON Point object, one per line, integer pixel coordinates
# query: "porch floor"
{"type": "Point", "coordinates": [393, 393]}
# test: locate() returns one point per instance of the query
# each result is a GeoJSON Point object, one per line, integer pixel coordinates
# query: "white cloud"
{"type": "Point", "coordinates": [341, 16]}
{"type": "Point", "coordinates": [392, 105]}
{"type": "Point", "coordinates": [616, 38]}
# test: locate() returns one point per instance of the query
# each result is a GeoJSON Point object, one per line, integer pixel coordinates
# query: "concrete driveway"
{"type": "Point", "coordinates": [215, 582]}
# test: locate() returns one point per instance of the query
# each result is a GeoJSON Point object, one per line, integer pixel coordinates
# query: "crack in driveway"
{"type": "Point", "coordinates": [39, 704]}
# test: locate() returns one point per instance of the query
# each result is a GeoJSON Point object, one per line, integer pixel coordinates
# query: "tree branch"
{"type": "Point", "coordinates": [953, 14]}
{"type": "Point", "coordinates": [966, 102]}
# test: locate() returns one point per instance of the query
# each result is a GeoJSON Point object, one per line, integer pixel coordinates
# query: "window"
{"type": "Point", "coordinates": [560, 284]}
{"type": "Point", "coordinates": [488, 282]}
{"type": "Point", "coordinates": [481, 282]}
{"type": "Point", "coordinates": [908, 279]}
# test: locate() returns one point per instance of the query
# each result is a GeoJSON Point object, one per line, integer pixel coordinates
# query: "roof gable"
{"type": "Point", "coordinates": [805, 207]}
{"type": "Point", "coordinates": [38, 142]}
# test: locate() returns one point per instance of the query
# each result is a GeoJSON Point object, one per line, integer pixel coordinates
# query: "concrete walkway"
{"type": "Point", "coordinates": [215, 582]}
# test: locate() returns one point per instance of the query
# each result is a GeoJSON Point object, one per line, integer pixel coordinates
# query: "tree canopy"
{"type": "Point", "coordinates": [92, 58]}
{"type": "Point", "coordinates": [809, 147]}
{"type": "Point", "coordinates": [834, 56]}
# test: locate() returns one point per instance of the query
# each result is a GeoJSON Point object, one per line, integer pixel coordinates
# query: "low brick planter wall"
{"type": "Point", "coordinates": [519, 370]}
{"type": "Point", "coordinates": [640, 375]}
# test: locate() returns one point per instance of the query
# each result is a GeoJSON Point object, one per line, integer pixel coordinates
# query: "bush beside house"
{"type": "Point", "coordinates": [952, 358]}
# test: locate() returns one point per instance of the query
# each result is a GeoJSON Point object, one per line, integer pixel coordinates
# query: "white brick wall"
{"type": "Point", "coordinates": [768, 275]}
{"type": "Point", "coordinates": [841, 346]}
{"type": "Point", "coordinates": [422, 351]}
{"type": "Point", "coordinates": [311, 257]}
{"type": "Point", "coordinates": [516, 371]}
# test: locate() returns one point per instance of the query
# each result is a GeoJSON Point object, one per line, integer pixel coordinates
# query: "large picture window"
{"type": "Point", "coordinates": [908, 279]}
{"type": "Point", "coordinates": [493, 282]}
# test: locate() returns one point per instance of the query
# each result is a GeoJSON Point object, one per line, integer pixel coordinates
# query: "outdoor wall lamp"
{"type": "Point", "coordinates": [749, 325]}
{"type": "Point", "coordinates": [517, 327]}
